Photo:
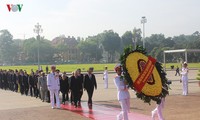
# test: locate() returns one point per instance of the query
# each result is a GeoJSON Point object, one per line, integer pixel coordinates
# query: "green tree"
{"type": "Point", "coordinates": [127, 39]}
{"type": "Point", "coordinates": [137, 36]}
{"type": "Point", "coordinates": [111, 43]}
{"type": "Point", "coordinates": [90, 50]}
{"type": "Point", "coordinates": [30, 47]}
{"type": "Point", "coordinates": [7, 50]}
{"type": "Point", "coordinates": [131, 38]}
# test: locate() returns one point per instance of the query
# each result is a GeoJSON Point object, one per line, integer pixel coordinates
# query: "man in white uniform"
{"type": "Point", "coordinates": [123, 94]}
{"type": "Point", "coordinates": [53, 84]}
{"type": "Point", "coordinates": [184, 78]}
{"type": "Point", "coordinates": [105, 77]}
{"type": "Point", "coordinates": [158, 110]}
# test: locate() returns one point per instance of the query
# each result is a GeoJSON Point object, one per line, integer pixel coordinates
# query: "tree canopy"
{"type": "Point", "coordinates": [103, 47]}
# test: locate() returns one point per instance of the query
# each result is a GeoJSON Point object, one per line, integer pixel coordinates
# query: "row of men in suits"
{"type": "Point", "coordinates": [75, 84]}
{"type": "Point", "coordinates": [38, 84]}
{"type": "Point", "coordinates": [19, 81]}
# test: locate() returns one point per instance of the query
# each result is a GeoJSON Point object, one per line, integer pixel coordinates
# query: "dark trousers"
{"type": "Point", "coordinates": [5, 85]}
{"type": "Point", "coordinates": [177, 72]}
{"type": "Point", "coordinates": [1, 84]}
{"type": "Point", "coordinates": [16, 87]}
{"type": "Point", "coordinates": [90, 94]}
{"type": "Point", "coordinates": [26, 89]}
{"type": "Point", "coordinates": [71, 97]}
{"type": "Point", "coordinates": [48, 96]}
{"type": "Point", "coordinates": [22, 89]}
{"type": "Point", "coordinates": [36, 92]}
{"type": "Point", "coordinates": [80, 96]}
{"type": "Point", "coordinates": [65, 96]}
{"type": "Point", "coordinates": [13, 87]}
{"type": "Point", "coordinates": [31, 90]}
{"type": "Point", "coordinates": [75, 97]}
{"type": "Point", "coordinates": [10, 86]}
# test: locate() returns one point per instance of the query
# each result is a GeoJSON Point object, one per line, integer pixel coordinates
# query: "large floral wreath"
{"type": "Point", "coordinates": [138, 67]}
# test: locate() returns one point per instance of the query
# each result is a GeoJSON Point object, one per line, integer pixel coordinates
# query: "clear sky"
{"type": "Point", "coordinates": [89, 17]}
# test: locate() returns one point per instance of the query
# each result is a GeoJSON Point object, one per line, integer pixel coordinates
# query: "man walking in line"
{"type": "Point", "coordinates": [89, 85]}
{"type": "Point", "coordinates": [42, 85]}
{"type": "Point", "coordinates": [53, 84]}
{"type": "Point", "coordinates": [81, 77]}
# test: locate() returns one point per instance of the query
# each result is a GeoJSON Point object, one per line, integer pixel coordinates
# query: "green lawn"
{"type": "Point", "coordinates": [67, 67]}
{"type": "Point", "coordinates": [190, 65]}
{"type": "Point", "coordinates": [97, 67]}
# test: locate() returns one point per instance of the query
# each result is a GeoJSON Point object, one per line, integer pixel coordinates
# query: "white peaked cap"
{"type": "Point", "coordinates": [116, 66]}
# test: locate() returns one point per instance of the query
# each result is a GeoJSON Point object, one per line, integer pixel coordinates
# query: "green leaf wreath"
{"type": "Point", "coordinates": [158, 66]}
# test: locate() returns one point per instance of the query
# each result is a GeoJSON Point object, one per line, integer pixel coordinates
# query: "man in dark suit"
{"type": "Point", "coordinates": [1, 83]}
{"type": "Point", "coordinates": [81, 77]}
{"type": "Point", "coordinates": [15, 78]}
{"type": "Point", "coordinates": [36, 90]}
{"type": "Point", "coordinates": [75, 87]}
{"type": "Point", "coordinates": [31, 83]}
{"type": "Point", "coordinates": [21, 83]}
{"type": "Point", "coordinates": [25, 82]}
{"type": "Point", "coordinates": [89, 85]}
{"type": "Point", "coordinates": [64, 87]}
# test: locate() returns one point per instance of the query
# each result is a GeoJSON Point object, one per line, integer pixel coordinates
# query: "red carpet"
{"type": "Point", "coordinates": [101, 112]}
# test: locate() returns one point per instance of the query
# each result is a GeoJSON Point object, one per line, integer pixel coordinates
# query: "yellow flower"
{"type": "Point", "coordinates": [132, 67]}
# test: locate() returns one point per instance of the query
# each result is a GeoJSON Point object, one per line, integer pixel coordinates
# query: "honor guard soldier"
{"type": "Point", "coordinates": [158, 110]}
{"type": "Point", "coordinates": [184, 78]}
{"type": "Point", "coordinates": [123, 94]}
{"type": "Point", "coordinates": [105, 77]}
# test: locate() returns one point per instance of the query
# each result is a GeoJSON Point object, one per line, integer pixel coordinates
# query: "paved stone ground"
{"type": "Point", "coordinates": [177, 107]}
{"type": "Point", "coordinates": [13, 106]}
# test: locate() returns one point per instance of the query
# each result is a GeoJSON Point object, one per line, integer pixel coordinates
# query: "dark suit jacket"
{"type": "Point", "coordinates": [20, 80]}
{"type": "Point", "coordinates": [25, 80]}
{"type": "Point", "coordinates": [64, 85]}
{"type": "Point", "coordinates": [90, 83]}
{"type": "Point", "coordinates": [75, 84]}
{"type": "Point", "coordinates": [31, 80]}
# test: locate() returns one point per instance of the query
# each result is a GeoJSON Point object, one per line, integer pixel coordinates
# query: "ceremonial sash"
{"type": "Point", "coordinates": [144, 74]}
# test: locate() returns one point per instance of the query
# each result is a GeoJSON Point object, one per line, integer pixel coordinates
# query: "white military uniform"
{"type": "Point", "coordinates": [53, 84]}
{"type": "Point", "coordinates": [105, 77]}
{"type": "Point", "coordinates": [123, 97]}
{"type": "Point", "coordinates": [158, 110]}
{"type": "Point", "coordinates": [184, 79]}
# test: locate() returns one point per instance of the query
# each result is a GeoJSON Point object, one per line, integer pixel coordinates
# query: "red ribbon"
{"type": "Point", "coordinates": [144, 74]}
